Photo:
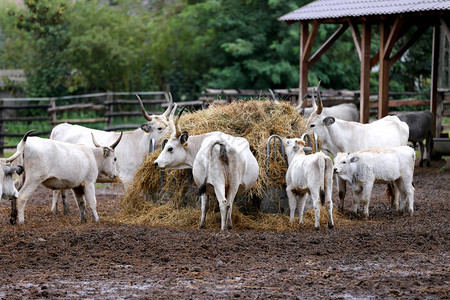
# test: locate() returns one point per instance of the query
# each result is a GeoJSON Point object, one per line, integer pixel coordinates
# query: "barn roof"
{"type": "Point", "coordinates": [341, 9]}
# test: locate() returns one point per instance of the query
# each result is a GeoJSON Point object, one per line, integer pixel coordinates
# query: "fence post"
{"type": "Point", "coordinates": [53, 113]}
{"type": "Point", "coordinates": [2, 129]}
{"type": "Point", "coordinates": [109, 100]}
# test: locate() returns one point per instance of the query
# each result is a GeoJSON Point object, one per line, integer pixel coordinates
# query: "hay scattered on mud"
{"type": "Point", "coordinates": [147, 202]}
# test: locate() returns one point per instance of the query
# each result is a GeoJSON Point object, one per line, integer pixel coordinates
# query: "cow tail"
{"type": "Point", "coordinates": [322, 178]}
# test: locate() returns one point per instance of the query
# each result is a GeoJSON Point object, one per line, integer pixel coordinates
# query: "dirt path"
{"type": "Point", "coordinates": [389, 256]}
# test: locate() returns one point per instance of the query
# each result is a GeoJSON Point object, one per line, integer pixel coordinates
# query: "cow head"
{"type": "Point", "coordinates": [157, 125]}
{"type": "Point", "coordinates": [7, 189]}
{"type": "Point", "coordinates": [345, 165]}
{"type": "Point", "coordinates": [107, 170]}
{"type": "Point", "coordinates": [317, 122]}
{"type": "Point", "coordinates": [294, 146]}
{"type": "Point", "coordinates": [174, 154]}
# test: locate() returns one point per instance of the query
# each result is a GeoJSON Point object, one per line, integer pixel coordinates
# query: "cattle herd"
{"type": "Point", "coordinates": [223, 165]}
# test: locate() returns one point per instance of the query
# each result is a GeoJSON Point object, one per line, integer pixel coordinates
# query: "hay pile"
{"type": "Point", "coordinates": [146, 202]}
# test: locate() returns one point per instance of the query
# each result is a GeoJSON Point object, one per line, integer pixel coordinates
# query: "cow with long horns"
{"type": "Point", "coordinates": [59, 166]}
{"type": "Point", "coordinates": [342, 136]}
{"type": "Point", "coordinates": [130, 152]}
{"type": "Point", "coordinates": [222, 166]}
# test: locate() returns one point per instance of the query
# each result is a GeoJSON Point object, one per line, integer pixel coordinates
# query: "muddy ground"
{"type": "Point", "coordinates": [389, 256]}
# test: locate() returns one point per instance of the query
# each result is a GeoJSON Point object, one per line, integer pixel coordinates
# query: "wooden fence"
{"type": "Point", "coordinates": [107, 111]}
{"type": "Point", "coordinates": [120, 111]}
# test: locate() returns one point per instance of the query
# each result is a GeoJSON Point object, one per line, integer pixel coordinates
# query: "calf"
{"type": "Point", "coordinates": [384, 165]}
{"type": "Point", "coordinates": [308, 174]}
{"type": "Point", "coordinates": [222, 166]}
{"type": "Point", "coordinates": [58, 165]}
{"type": "Point", "coordinates": [420, 128]}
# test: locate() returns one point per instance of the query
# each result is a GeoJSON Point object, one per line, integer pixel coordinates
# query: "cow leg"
{"type": "Point", "coordinates": [64, 201]}
{"type": "Point", "coordinates": [204, 203]}
{"type": "Point", "coordinates": [24, 194]}
{"type": "Point", "coordinates": [78, 193]}
{"type": "Point", "coordinates": [328, 192]}
{"type": "Point", "coordinates": [428, 148]}
{"type": "Point", "coordinates": [398, 203]}
{"type": "Point", "coordinates": [301, 207]}
{"type": "Point", "coordinates": [292, 203]}
{"type": "Point", "coordinates": [421, 153]}
{"type": "Point", "coordinates": [232, 191]}
{"type": "Point", "coordinates": [89, 194]}
{"type": "Point", "coordinates": [13, 217]}
{"type": "Point", "coordinates": [55, 201]}
{"type": "Point", "coordinates": [365, 198]}
{"type": "Point", "coordinates": [317, 205]}
{"type": "Point", "coordinates": [342, 188]}
{"type": "Point", "coordinates": [408, 189]}
{"type": "Point", "coordinates": [220, 195]}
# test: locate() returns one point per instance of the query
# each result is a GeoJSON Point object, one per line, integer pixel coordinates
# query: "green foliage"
{"type": "Point", "coordinates": [88, 45]}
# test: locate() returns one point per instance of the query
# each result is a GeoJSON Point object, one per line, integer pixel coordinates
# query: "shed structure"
{"type": "Point", "coordinates": [394, 18]}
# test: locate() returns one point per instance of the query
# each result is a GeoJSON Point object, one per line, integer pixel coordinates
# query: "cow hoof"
{"type": "Point", "coordinates": [330, 226]}
{"type": "Point", "coordinates": [202, 226]}
{"type": "Point", "coordinates": [316, 228]}
{"type": "Point", "coordinates": [12, 221]}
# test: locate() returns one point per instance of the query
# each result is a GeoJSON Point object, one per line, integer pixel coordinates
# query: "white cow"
{"type": "Point", "coordinates": [384, 165]}
{"type": "Point", "coordinates": [58, 166]}
{"type": "Point", "coordinates": [344, 111]}
{"type": "Point", "coordinates": [308, 174]}
{"type": "Point", "coordinates": [130, 152]}
{"type": "Point", "coordinates": [222, 166]}
{"type": "Point", "coordinates": [7, 189]}
{"type": "Point", "coordinates": [343, 136]}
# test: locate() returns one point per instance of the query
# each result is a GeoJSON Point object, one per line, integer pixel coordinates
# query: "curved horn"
{"type": "Point", "coordinates": [143, 111]}
{"type": "Point", "coordinates": [171, 123]}
{"type": "Point", "coordinates": [117, 142]}
{"type": "Point", "coordinates": [169, 108]}
{"type": "Point", "coordinates": [94, 141]}
{"type": "Point", "coordinates": [22, 147]}
{"type": "Point", "coordinates": [177, 125]}
{"type": "Point", "coordinates": [320, 105]}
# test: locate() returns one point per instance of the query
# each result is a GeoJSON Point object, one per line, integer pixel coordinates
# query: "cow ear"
{"type": "Point", "coordinates": [184, 137]}
{"type": "Point", "coordinates": [18, 169]}
{"type": "Point", "coordinates": [146, 128]}
{"type": "Point", "coordinates": [106, 151]}
{"type": "Point", "coordinates": [354, 159]}
{"type": "Point", "coordinates": [307, 150]}
{"type": "Point", "coordinates": [328, 121]}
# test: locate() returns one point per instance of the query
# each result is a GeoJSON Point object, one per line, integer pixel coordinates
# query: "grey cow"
{"type": "Point", "coordinates": [420, 128]}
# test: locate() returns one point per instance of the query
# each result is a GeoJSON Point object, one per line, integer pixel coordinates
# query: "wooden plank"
{"type": "Point", "coordinates": [403, 102]}
{"type": "Point", "coordinates": [8, 134]}
{"type": "Point", "coordinates": [81, 121]}
{"type": "Point", "coordinates": [445, 26]}
{"type": "Point", "coordinates": [434, 74]}
{"type": "Point", "coordinates": [356, 37]}
{"type": "Point", "coordinates": [136, 102]}
{"type": "Point", "coordinates": [86, 106]}
{"type": "Point", "coordinates": [419, 32]}
{"type": "Point", "coordinates": [185, 103]}
{"type": "Point", "coordinates": [303, 72]}
{"type": "Point", "coordinates": [129, 113]}
{"type": "Point", "coordinates": [18, 107]}
{"type": "Point", "coordinates": [383, 77]}
{"type": "Point", "coordinates": [25, 119]}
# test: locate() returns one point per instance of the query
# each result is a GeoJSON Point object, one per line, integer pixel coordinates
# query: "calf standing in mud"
{"type": "Point", "coordinates": [308, 174]}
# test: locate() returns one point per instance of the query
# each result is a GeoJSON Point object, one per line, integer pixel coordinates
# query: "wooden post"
{"type": "Point", "coordinates": [383, 79]}
{"type": "Point", "coordinates": [434, 73]}
{"type": "Point", "coordinates": [303, 82]}
{"type": "Point", "coordinates": [53, 113]}
{"type": "Point", "coordinates": [2, 130]}
{"type": "Point", "coordinates": [110, 99]}
{"type": "Point", "coordinates": [365, 72]}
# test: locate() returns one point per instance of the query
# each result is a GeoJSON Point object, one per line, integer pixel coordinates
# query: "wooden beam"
{"type": "Point", "coordinates": [327, 44]}
{"type": "Point", "coordinates": [365, 72]}
{"type": "Point", "coordinates": [383, 77]}
{"type": "Point", "coordinates": [393, 36]}
{"type": "Point", "coordinates": [310, 41]}
{"type": "Point", "coordinates": [375, 59]}
{"type": "Point", "coordinates": [356, 37]}
{"type": "Point", "coordinates": [434, 73]}
{"type": "Point", "coordinates": [419, 32]}
{"type": "Point", "coordinates": [445, 26]}
{"type": "Point", "coordinates": [303, 76]}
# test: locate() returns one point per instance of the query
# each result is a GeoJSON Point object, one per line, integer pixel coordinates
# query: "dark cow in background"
{"type": "Point", "coordinates": [420, 128]}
